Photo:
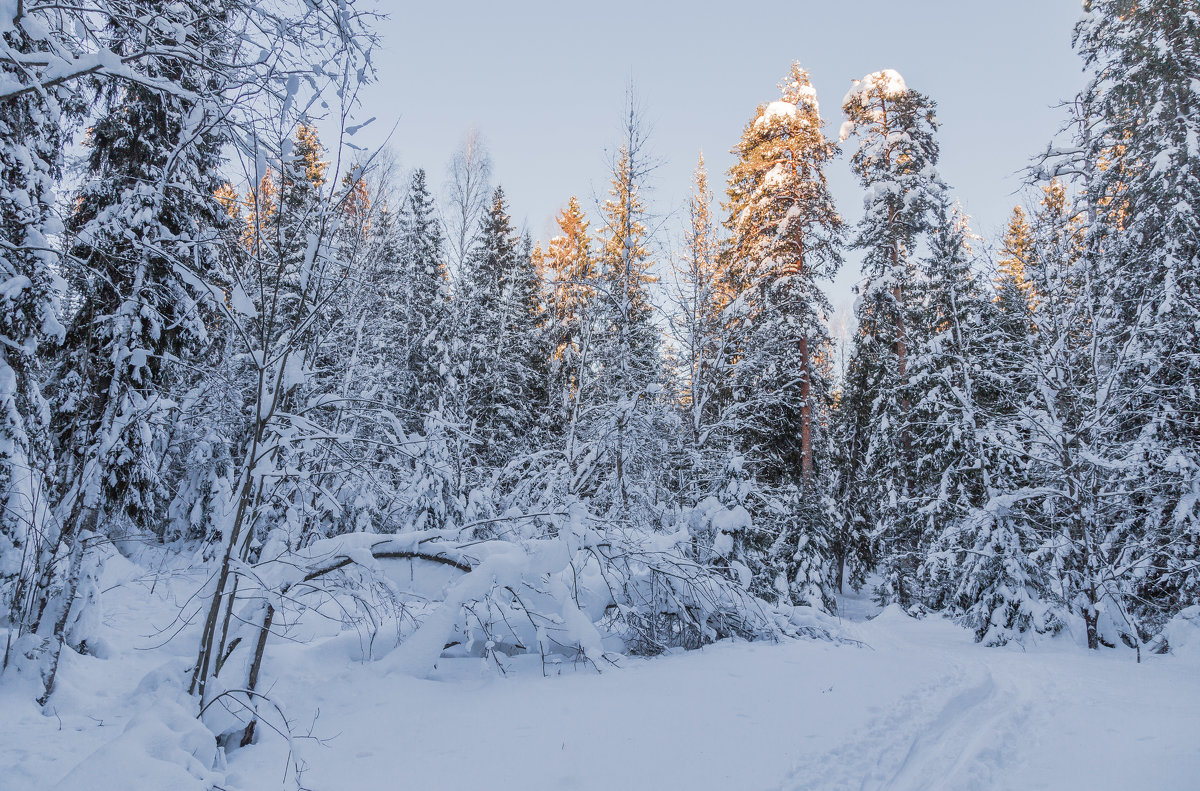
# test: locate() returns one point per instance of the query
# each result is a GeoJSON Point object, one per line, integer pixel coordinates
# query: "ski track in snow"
{"type": "Point", "coordinates": [953, 732]}
{"type": "Point", "coordinates": [955, 729]}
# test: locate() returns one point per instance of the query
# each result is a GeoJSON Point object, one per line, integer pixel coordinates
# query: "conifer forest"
{"type": "Point", "coordinates": [322, 472]}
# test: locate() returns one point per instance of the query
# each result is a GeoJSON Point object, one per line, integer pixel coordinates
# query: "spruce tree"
{"type": "Point", "coordinates": [568, 267]}
{"type": "Point", "coordinates": [976, 549]}
{"type": "Point", "coordinates": [1016, 251]}
{"type": "Point", "coordinates": [422, 294]}
{"type": "Point", "coordinates": [851, 545]}
{"type": "Point", "coordinates": [895, 161]}
{"type": "Point", "coordinates": [1144, 121]}
{"type": "Point", "coordinates": [948, 481]}
{"type": "Point", "coordinates": [297, 278]}
{"type": "Point", "coordinates": [145, 228]}
{"type": "Point", "coordinates": [504, 342]}
{"type": "Point", "coordinates": [145, 221]}
{"type": "Point", "coordinates": [1069, 427]}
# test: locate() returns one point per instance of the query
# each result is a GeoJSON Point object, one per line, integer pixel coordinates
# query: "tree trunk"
{"type": "Point", "coordinates": [256, 666]}
{"type": "Point", "coordinates": [806, 449]}
{"type": "Point", "coordinates": [1090, 618]}
{"type": "Point", "coordinates": [58, 635]}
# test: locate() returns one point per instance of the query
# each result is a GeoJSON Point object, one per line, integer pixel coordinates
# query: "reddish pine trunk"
{"type": "Point", "coordinates": [806, 454]}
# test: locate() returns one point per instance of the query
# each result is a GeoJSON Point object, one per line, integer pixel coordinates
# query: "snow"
{"type": "Point", "coordinates": [11, 288]}
{"type": "Point", "coordinates": [732, 520]}
{"type": "Point", "coordinates": [888, 82]}
{"type": "Point", "coordinates": [778, 109]}
{"type": "Point", "coordinates": [918, 705]}
{"type": "Point", "coordinates": [808, 94]}
{"type": "Point", "coordinates": [241, 302]}
{"type": "Point", "coordinates": [900, 704]}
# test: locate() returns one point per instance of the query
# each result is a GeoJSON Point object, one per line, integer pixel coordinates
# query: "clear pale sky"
{"type": "Point", "coordinates": [545, 84]}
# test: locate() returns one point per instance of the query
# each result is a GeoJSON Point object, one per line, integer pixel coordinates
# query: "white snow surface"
{"type": "Point", "coordinates": [778, 109]}
{"type": "Point", "coordinates": [900, 704]}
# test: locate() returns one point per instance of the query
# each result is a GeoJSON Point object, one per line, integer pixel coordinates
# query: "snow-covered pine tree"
{"type": "Point", "coordinates": [1016, 251]}
{"type": "Point", "coordinates": [375, 375]}
{"type": "Point", "coordinates": [1068, 423]}
{"type": "Point", "coordinates": [422, 293]}
{"type": "Point", "coordinates": [296, 277]}
{"type": "Point", "coordinates": [431, 405]}
{"type": "Point", "coordinates": [147, 212]}
{"type": "Point", "coordinates": [948, 482]}
{"type": "Point", "coordinates": [895, 161]}
{"type": "Point", "coordinates": [785, 238]}
{"type": "Point", "coordinates": [31, 139]}
{"type": "Point", "coordinates": [145, 226]}
{"type": "Point", "coordinates": [1012, 319]}
{"type": "Point", "coordinates": [527, 291]}
{"type": "Point", "coordinates": [851, 544]}
{"type": "Point", "coordinates": [1145, 225]}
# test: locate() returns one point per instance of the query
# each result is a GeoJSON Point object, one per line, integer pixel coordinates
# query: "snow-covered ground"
{"type": "Point", "coordinates": [910, 705]}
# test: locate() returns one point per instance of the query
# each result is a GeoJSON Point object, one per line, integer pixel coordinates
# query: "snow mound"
{"type": "Point", "coordinates": [892, 614]}
{"type": "Point", "coordinates": [1182, 633]}
{"type": "Point", "coordinates": [163, 746]}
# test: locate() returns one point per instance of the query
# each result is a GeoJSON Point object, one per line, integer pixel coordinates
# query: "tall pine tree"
{"type": "Point", "coordinates": [785, 239]}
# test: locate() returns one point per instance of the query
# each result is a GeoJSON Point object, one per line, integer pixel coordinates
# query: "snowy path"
{"type": "Point", "coordinates": [1054, 718]}
{"type": "Point", "coordinates": [917, 706]}
{"type": "Point", "coordinates": [962, 730]}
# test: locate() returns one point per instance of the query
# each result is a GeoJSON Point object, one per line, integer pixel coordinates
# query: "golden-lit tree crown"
{"type": "Point", "coordinates": [777, 191]}
{"type": "Point", "coordinates": [1017, 252]}
{"type": "Point", "coordinates": [307, 149]}
{"type": "Point", "coordinates": [625, 256]}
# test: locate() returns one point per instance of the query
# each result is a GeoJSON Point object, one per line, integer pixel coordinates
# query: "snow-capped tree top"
{"type": "Point", "coordinates": [798, 91]}
{"type": "Point", "coordinates": [779, 109]}
{"type": "Point", "coordinates": [887, 84]}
